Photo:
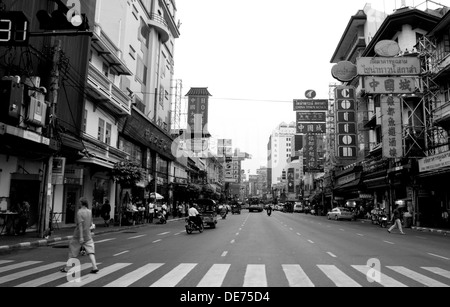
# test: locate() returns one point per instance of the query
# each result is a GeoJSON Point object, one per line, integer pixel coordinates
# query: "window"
{"type": "Point", "coordinates": [105, 69]}
{"type": "Point", "coordinates": [85, 120]}
{"type": "Point", "coordinates": [108, 134]}
{"type": "Point", "coordinates": [139, 104]}
{"type": "Point", "coordinates": [101, 130]}
{"type": "Point", "coordinates": [143, 35]}
{"type": "Point", "coordinates": [132, 52]}
{"type": "Point", "coordinates": [166, 95]}
{"type": "Point", "coordinates": [141, 71]}
{"type": "Point", "coordinates": [135, 13]}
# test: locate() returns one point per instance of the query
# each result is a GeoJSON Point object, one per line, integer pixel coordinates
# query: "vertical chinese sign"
{"type": "Point", "coordinates": [310, 152]}
{"type": "Point", "coordinates": [291, 180]}
{"type": "Point", "coordinates": [346, 122]}
{"type": "Point", "coordinates": [391, 125]}
{"type": "Point", "coordinates": [198, 100]}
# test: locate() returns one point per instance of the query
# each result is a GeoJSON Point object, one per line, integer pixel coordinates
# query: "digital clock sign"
{"type": "Point", "coordinates": [14, 29]}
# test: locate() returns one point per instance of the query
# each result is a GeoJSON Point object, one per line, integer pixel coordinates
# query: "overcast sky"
{"type": "Point", "coordinates": [257, 56]}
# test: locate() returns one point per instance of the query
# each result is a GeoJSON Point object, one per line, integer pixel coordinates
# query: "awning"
{"type": "Point", "coordinates": [379, 182]}
{"type": "Point", "coordinates": [97, 161]}
{"type": "Point", "coordinates": [349, 187]}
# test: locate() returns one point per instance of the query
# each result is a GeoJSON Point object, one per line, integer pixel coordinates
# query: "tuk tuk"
{"type": "Point", "coordinates": [208, 211]}
{"type": "Point", "coordinates": [236, 208]}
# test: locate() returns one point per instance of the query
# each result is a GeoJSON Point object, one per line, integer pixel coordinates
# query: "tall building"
{"type": "Point", "coordinates": [279, 151]}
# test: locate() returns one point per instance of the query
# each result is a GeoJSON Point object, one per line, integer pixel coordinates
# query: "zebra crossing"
{"type": "Point", "coordinates": [32, 274]}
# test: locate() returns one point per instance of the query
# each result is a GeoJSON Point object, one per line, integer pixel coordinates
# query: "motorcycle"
{"type": "Point", "coordinates": [269, 211]}
{"type": "Point", "coordinates": [383, 220]}
{"type": "Point", "coordinates": [162, 218]}
{"type": "Point", "coordinates": [191, 226]}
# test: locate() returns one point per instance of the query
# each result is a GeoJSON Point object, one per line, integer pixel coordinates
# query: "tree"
{"type": "Point", "coordinates": [128, 173]}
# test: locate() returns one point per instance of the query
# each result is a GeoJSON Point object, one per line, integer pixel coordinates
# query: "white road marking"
{"type": "Point", "coordinates": [291, 229]}
{"type": "Point", "coordinates": [164, 233]}
{"type": "Point", "coordinates": [50, 278]}
{"type": "Point", "coordinates": [5, 261]}
{"type": "Point", "coordinates": [298, 234]}
{"type": "Point", "coordinates": [361, 235]}
{"type": "Point", "coordinates": [18, 266]}
{"type": "Point", "coordinates": [224, 254]}
{"type": "Point", "coordinates": [134, 276]}
{"type": "Point", "coordinates": [442, 257]}
{"type": "Point", "coordinates": [341, 229]}
{"type": "Point", "coordinates": [215, 276]}
{"type": "Point", "coordinates": [417, 277]}
{"type": "Point", "coordinates": [233, 241]}
{"type": "Point", "coordinates": [136, 237]}
{"type": "Point", "coordinates": [124, 252]}
{"type": "Point", "coordinates": [237, 233]}
{"type": "Point", "coordinates": [255, 276]}
{"type": "Point", "coordinates": [421, 237]}
{"type": "Point", "coordinates": [332, 255]}
{"type": "Point", "coordinates": [172, 278]}
{"type": "Point", "coordinates": [438, 271]}
{"type": "Point", "coordinates": [156, 241]}
{"type": "Point", "coordinates": [338, 277]}
{"type": "Point", "coordinates": [103, 241]}
{"type": "Point", "coordinates": [388, 242]}
{"type": "Point", "coordinates": [29, 272]}
{"type": "Point", "coordinates": [240, 229]}
{"type": "Point", "coordinates": [296, 276]}
{"type": "Point", "coordinates": [312, 242]}
{"type": "Point", "coordinates": [385, 280]}
{"type": "Point", "coordinates": [93, 277]}
{"type": "Point", "coordinates": [178, 233]}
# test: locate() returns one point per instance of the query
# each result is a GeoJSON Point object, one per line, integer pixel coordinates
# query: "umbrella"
{"type": "Point", "coordinates": [156, 196]}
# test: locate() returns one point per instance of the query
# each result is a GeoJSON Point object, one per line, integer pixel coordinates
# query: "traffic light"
{"type": "Point", "coordinates": [58, 20]}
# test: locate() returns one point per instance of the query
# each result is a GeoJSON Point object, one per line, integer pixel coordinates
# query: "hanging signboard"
{"type": "Point", "coordinates": [346, 122]}
{"type": "Point", "coordinates": [318, 128]}
{"type": "Point", "coordinates": [344, 71]}
{"type": "Point", "coordinates": [310, 105]}
{"type": "Point", "coordinates": [311, 117]}
{"type": "Point", "coordinates": [401, 66]}
{"type": "Point", "coordinates": [386, 85]}
{"type": "Point", "coordinates": [391, 126]}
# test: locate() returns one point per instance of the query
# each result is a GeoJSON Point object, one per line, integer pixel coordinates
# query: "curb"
{"type": "Point", "coordinates": [46, 242]}
{"type": "Point", "coordinates": [425, 229]}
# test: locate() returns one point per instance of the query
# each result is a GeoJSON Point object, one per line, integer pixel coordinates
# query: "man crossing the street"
{"type": "Point", "coordinates": [82, 236]}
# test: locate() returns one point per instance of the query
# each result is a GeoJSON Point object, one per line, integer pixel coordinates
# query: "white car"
{"type": "Point", "coordinates": [340, 213]}
{"type": "Point", "coordinates": [298, 207]}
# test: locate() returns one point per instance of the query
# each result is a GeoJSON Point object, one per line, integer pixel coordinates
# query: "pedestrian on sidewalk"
{"type": "Point", "coordinates": [82, 236]}
{"type": "Point", "coordinates": [106, 212]}
{"type": "Point", "coordinates": [398, 213]}
{"type": "Point", "coordinates": [151, 210]}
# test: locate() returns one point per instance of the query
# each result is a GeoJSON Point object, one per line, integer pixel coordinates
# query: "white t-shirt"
{"type": "Point", "coordinates": [151, 208]}
{"type": "Point", "coordinates": [193, 212]}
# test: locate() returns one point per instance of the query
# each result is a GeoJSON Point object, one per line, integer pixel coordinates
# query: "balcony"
{"type": "Point", "coordinates": [103, 90]}
{"type": "Point", "coordinates": [441, 115]}
{"type": "Point", "coordinates": [108, 50]}
{"type": "Point", "coordinates": [158, 23]}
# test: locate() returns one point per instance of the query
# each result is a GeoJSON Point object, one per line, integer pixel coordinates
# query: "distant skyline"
{"type": "Point", "coordinates": [257, 56]}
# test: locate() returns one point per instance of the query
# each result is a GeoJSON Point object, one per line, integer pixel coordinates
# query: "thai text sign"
{"type": "Point", "coordinates": [310, 105]}
{"type": "Point", "coordinates": [346, 122]}
{"type": "Point", "coordinates": [384, 85]}
{"type": "Point", "coordinates": [401, 66]}
{"type": "Point", "coordinates": [391, 126]}
{"type": "Point", "coordinates": [434, 162]}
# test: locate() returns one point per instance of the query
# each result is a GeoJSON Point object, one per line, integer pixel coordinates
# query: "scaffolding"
{"type": "Point", "coordinates": [176, 110]}
{"type": "Point", "coordinates": [436, 140]}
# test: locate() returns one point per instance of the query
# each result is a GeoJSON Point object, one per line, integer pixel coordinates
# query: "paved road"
{"type": "Point", "coordinates": [247, 250]}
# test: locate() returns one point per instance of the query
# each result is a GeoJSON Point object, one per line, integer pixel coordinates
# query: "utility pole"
{"type": "Point", "coordinates": [46, 218]}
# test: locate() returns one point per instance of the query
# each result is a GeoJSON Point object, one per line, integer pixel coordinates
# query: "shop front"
{"type": "Point", "coordinates": [347, 186]}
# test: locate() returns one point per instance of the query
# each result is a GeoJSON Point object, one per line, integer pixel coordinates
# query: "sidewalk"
{"type": "Point", "coordinates": [31, 240]}
{"type": "Point", "coordinates": [424, 229]}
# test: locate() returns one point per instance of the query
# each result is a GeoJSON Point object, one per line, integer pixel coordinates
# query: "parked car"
{"type": "Point", "coordinates": [298, 207]}
{"type": "Point", "coordinates": [340, 213]}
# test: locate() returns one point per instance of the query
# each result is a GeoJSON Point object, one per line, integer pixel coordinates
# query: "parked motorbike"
{"type": "Point", "coordinates": [191, 226]}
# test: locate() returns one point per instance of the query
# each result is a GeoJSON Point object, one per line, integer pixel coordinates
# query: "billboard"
{"type": "Point", "coordinates": [380, 66]}
{"type": "Point", "coordinates": [345, 109]}
{"type": "Point", "coordinates": [389, 85]}
{"type": "Point", "coordinates": [310, 105]}
{"type": "Point", "coordinates": [291, 180]}
{"type": "Point", "coordinates": [391, 126]}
